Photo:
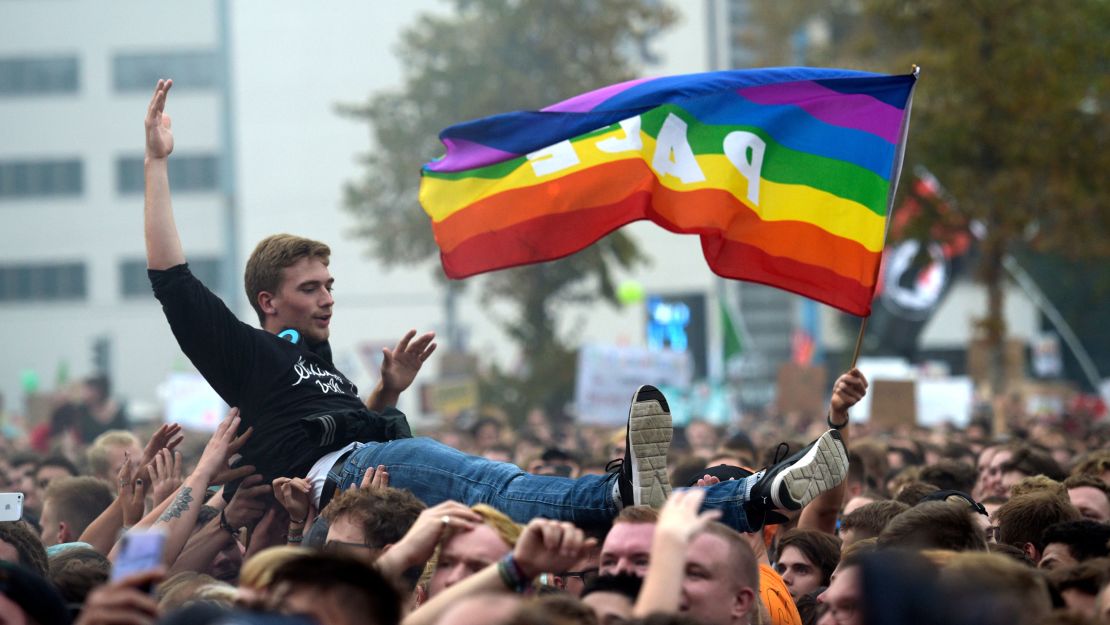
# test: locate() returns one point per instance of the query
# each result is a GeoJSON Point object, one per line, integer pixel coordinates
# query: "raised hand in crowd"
{"type": "Point", "coordinates": [177, 515]}
{"type": "Point", "coordinates": [249, 503]}
{"type": "Point", "coordinates": [430, 528]}
{"type": "Point", "coordinates": [270, 531]}
{"type": "Point", "coordinates": [679, 522]}
{"type": "Point", "coordinates": [848, 390]}
{"type": "Point", "coordinates": [132, 493]}
{"type": "Point", "coordinates": [399, 368]}
{"type": "Point", "coordinates": [547, 546]}
{"type": "Point", "coordinates": [166, 437]}
{"type": "Point", "coordinates": [165, 474]}
{"type": "Point", "coordinates": [544, 546]}
{"type": "Point", "coordinates": [123, 602]}
{"type": "Point", "coordinates": [159, 133]}
{"type": "Point", "coordinates": [224, 471]}
{"type": "Point", "coordinates": [295, 495]}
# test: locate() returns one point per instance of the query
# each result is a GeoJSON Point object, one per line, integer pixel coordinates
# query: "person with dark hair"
{"type": "Point", "coordinates": [935, 525]}
{"type": "Point", "coordinates": [1078, 584]}
{"type": "Point", "coordinates": [1089, 495]}
{"type": "Point", "coordinates": [1028, 461]}
{"type": "Point", "coordinates": [76, 572]}
{"type": "Point", "coordinates": [1070, 542]}
{"type": "Point", "coordinates": [27, 597]}
{"type": "Point", "coordinates": [1023, 520]}
{"type": "Point", "coordinates": [51, 468]}
{"type": "Point", "coordinates": [19, 545]}
{"type": "Point", "coordinates": [913, 492]}
{"type": "Point", "coordinates": [612, 596]}
{"type": "Point", "coordinates": [97, 412]}
{"type": "Point", "coordinates": [335, 589]}
{"type": "Point", "coordinates": [806, 560]}
{"type": "Point", "coordinates": [949, 475]}
{"type": "Point", "coordinates": [367, 520]}
{"type": "Point", "coordinates": [868, 520]}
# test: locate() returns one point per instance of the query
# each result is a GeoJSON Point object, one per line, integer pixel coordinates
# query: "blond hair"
{"type": "Point", "coordinates": [257, 573]}
{"type": "Point", "coordinates": [272, 255]}
{"type": "Point", "coordinates": [97, 453]}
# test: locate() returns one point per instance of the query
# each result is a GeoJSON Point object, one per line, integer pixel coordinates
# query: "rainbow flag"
{"type": "Point", "coordinates": [787, 174]}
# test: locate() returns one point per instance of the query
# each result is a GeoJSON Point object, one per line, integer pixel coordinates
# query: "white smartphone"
{"type": "Point", "coordinates": [11, 506]}
{"type": "Point", "coordinates": [140, 550]}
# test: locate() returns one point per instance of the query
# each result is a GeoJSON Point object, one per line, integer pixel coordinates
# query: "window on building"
{"type": "Point", "coordinates": [197, 172]}
{"type": "Point", "coordinates": [38, 76]}
{"type": "Point", "coordinates": [193, 69]}
{"type": "Point", "coordinates": [42, 282]}
{"type": "Point", "coordinates": [135, 283]}
{"type": "Point", "coordinates": [41, 178]}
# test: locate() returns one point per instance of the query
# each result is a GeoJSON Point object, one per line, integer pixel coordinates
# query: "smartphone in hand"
{"type": "Point", "coordinates": [11, 506]}
{"type": "Point", "coordinates": [140, 551]}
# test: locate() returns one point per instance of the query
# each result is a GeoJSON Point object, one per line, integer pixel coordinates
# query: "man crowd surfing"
{"type": "Point", "coordinates": [310, 505]}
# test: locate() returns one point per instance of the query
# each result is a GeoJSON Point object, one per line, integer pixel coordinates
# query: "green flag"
{"type": "Point", "coordinates": [731, 345]}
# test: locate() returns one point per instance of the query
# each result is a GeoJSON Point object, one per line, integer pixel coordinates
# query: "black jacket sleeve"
{"type": "Point", "coordinates": [220, 346]}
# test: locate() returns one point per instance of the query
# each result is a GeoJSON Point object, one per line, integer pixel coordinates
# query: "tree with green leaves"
{"type": "Point", "coordinates": [494, 56]}
{"type": "Point", "coordinates": [1010, 114]}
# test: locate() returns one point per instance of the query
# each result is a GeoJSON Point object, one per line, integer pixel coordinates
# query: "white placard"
{"type": "Point", "coordinates": [945, 400]}
{"type": "Point", "coordinates": [608, 375]}
{"type": "Point", "coordinates": [189, 401]}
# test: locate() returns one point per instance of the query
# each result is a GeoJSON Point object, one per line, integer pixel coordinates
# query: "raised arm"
{"type": "Point", "coordinates": [399, 368]}
{"type": "Point", "coordinates": [163, 245]}
{"type": "Point", "coordinates": [821, 513]}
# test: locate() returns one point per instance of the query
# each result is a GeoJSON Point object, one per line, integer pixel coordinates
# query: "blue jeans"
{"type": "Point", "coordinates": [434, 473]}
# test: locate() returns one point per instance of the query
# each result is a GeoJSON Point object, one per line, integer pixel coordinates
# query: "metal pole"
{"type": "Point", "coordinates": [1025, 281]}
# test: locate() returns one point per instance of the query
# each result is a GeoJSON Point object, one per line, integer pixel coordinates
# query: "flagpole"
{"type": "Point", "coordinates": [859, 342]}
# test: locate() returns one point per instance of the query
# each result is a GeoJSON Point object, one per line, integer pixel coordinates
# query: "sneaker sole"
{"type": "Point", "coordinates": [823, 467]}
{"type": "Point", "coordinates": [648, 439]}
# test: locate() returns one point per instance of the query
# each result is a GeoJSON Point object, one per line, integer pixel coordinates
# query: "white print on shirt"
{"type": "Point", "coordinates": [326, 380]}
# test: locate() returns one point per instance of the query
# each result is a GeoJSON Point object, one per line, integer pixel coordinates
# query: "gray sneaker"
{"type": "Point", "coordinates": [643, 471]}
{"type": "Point", "coordinates": [798, 479]}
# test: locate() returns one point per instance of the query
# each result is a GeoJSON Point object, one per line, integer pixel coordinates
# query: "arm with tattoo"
{"type": "Point", "coordinates": [177, 515]}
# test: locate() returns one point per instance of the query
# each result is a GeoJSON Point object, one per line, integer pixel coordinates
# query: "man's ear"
{"type": "Point", "coordinates": [266, 302]}
{"type": "Point", "coordinates": [1031, 550]}
{"type": "Point", "coordinates": [63, 533]}
{"type": "Point", "coordinates": [746, 602]}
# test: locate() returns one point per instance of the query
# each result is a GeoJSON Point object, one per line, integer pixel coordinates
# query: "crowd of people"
{"type": "Point", "coordinates": [311, 504]}
{"type": "Point", "coordinates": [937, 525]}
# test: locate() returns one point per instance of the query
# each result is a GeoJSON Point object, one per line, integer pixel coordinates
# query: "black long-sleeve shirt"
{"type": "Point", "coordinates": [274, 382]}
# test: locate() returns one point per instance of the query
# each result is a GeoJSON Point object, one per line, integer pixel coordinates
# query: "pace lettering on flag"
{"type": "Point", "coordinates": [787, 175]}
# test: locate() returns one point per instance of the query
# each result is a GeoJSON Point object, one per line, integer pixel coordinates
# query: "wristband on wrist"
{"type": "Point", "coordinates": [294, 539]}
{"type": "Point", "coordinates": [511, 575]}
{"type": "Point", "coordinates": [835, 426]}
{"type": "Point", "coordinates": [224, 525]}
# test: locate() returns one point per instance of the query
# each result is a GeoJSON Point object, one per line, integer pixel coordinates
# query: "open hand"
{"type": "Point", "coordinates": [165, 475]}
{"type": "Point", "coordinates": [679, 518]}
{"type": "Point", "coordinates": [223, 445]}
{"type": "Point", "coordinates": [401, 364]}
{"type": "Point", "coordinates": [433, 524]}
{"type": "Point", "coordinates": [132, 492]}
{"type": "Point", "coordinates": [159, 136]}
{"type": "Point", "coordinates": [249, 502]}
{"type": "Point", "coordinates": [374, 478]}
